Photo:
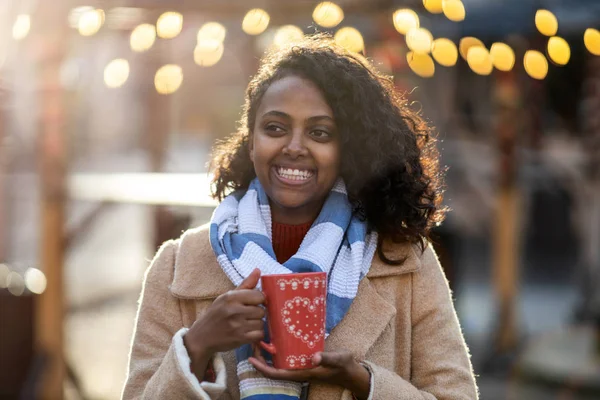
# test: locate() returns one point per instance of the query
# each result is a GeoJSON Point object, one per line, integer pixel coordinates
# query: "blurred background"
{"type": "Point", "coordinates": [109, 109]}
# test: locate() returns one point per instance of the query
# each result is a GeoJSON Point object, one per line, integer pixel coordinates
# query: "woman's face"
{"type": "Point", "coordinates": [295, 149]}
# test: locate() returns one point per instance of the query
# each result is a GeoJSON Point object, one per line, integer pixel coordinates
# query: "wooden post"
{"type": "Point", "coordinates": [505, 241]}
{"type": "Point", "coordinates": [49, 44]}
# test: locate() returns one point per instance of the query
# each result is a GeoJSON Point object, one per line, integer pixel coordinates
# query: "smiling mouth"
{"type": "Point", "coordinates": [298, 175]}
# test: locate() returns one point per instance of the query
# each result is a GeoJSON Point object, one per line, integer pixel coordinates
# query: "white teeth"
{"type": "Point", "coordinates": [294, 174]}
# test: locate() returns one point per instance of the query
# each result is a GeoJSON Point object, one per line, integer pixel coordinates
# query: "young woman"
{"type": "Point", "coordinates": [330, 171]}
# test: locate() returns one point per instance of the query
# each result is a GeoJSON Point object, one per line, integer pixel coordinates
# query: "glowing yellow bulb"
{"type": "Point", "coordinates": [444, 52]}
{"type": "Point", "coordinates": [454, 10]}
{"type": "Point", "coordinates": [421, 64]}
{"type": "Point", "coordinates": [591, 38]}
{"type": "Point", "coordinates": [15, 284]}
{"type": "Point", "coordinates": [503, 57]}
{"type": "Point", "coordinates": [419, 40]}
{"type": "Point", "coordinates": [169, 25]}
{"type": "Point", "coordinates": [405, 20]}
{"type": "Point", "coordinates": [328, 14]}
{"type": "Point", "coordinates": [288, 34]}
{"type": "Point", "coordinates": [466, 43]}
{"type": "Point", "coordinates": [116, 73]}
{"type": "Point", "coordinates": [433, 6]}
{"type": "Point", "coordinates": [535, 64]}
{"type": "Point", "coordinates": [35, 280]}
{"type": "Point", "coordinates": [255, 21]}
{"type": "Point", "coordinates": [350, 39]}
{"type": "Point", "coordinates": [546, 22]}
{"type": "Point", "coordinates": [142, 37]}
{"type": "Point", "coordinates": [168, 78]}
{"type": "Point", "coordinates": [208, 52]}
{"type": "Point", "coordinates": [559, 50]}
{"type": "Point", "coordinates": [479, 60]}
{"type": "Point", "coordinates": [212, 31]}
{"type": "Point", "coordinates": [90, 22]}
{"type": "Point", "coordinates": [21, 26]}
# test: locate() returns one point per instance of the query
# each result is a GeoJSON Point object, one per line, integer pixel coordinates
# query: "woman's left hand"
{"type": "Point", "coordinates": [338, 368]}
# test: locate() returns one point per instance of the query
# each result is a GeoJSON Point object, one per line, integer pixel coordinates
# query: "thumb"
{"type": "Point", "coordinates": [330, 359]}
{"type": "Point", "coordinates": [251, 281]}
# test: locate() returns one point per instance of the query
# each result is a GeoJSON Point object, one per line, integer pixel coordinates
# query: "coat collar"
{"type": "Point", "coordinates": [198, 275]}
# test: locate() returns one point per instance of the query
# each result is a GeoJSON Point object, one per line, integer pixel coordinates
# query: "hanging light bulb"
{"type": "Point", "coordinates": [35, 281]}
{"type": "Point", "coordinates": [169, 25]}
{"type": "Point", "coordinates": [328, 14]}
{"type": "Point", "coordinates": [405, 20]}
{"type": "Point", "coordinates": [591, 38]}
{"type": "Point", "coordinates": [255, 21]}
{"type": "Point", "coordinates": [116, 73]}
{"type": "Point", "coordinates": [559, 50]}
{"type": "Point", "coordinates": [350, 38]}
{"type": "Point", "coordinates": [503, 57]}
{"type": "Point", "coordinates": [535, 64]}
{"type": "Point", "coordinates": [444, 52]}
{"type": "Point", "coordinates": [421, 64]}
{"type": "Point", "coordinates": [168, 78]}
{"type": "Point", "coordinates": [419, 40]}
{"type": "Point", "coordinates": [90, 22]}
{"type": "Point", "coordinates": [208, 52]}
{"type": "Point", "coordinates": [466, 43]}
{"type": "Point", "coordinates": [212, 30]}
{"type": "Point", "coordinates": [454, 10]}
{"type": "Point", "coordinates": [433, 6]}
{"type": "Point", "coordinates": [142, 37]}
{"type": "Point", "coordinates": [546, 22]}
{"type": "Point", "coordinates": [479, 60]}
{"type": "Point", "coordinates": [288, 34]}
{"type": "Point", "coordinates": [21, 26]}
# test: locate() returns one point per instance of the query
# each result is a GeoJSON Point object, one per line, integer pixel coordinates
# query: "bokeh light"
{"type": "Point", "coordinates": [454, 10]}
{"type": "Point", "coordinates": [433, 6]}
{"type": "Point", "coordinates": [169, 25]}
{"type": "Point", "coordinates": [21, 26]}
{"type": "Point", "coordinates": [350, 39]}
{"type": "Point", "coordinates": [559, 50]}
{"type": "Point", "coordinates": [168, 79]}
{"type": "Point", "coordinates": [535, 64]}
{"type": "Point", "coordinates": [90, 22]}
{"type": "Point", "coordinates": [405, 19]}
{"type": "Point", "coordinates": [503, 56]}
{"type": "Point", "coordinates": [546, 22]}
{"type": "Point", "coordinates": [287, 34]}
{"type": "Point", "coordinates": [421, 64]}
{"type": "Point", "coordinates": [35, 281]}
{"type": "Point", "coordinates": [212, 31]}
{"type": "Point", "coordinates": [255, 21]}
{"type": "Point", "coordinates": [466, 43]}
{"type": "Point", "coordinates": [419, 40]}
{"type": "Point", "coordinates": [591, 38]}
{"type": "Point", "coordinates": [142, 37]}
{"type": "Point", "coordinates": [208, 52]}
{"type": "Point", "coordinates": [116, 73]}
{"type": "Point", "coordinates": [444, 51]}
{"type": "Point", "coordinates": [328, 14]}
{"type": "Point", "coordinates": [15, 284]}
{"type": "Point", "coordinates": [479, 60]}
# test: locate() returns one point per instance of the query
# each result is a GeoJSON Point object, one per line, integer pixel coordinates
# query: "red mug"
{"type": "Point", "coordinates": [296, 317]}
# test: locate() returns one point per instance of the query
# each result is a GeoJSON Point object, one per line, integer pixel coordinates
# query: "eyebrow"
{"type": "Point", "coordinates": [287, 116]}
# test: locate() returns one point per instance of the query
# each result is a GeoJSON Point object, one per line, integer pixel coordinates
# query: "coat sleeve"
{"type": "Point", "coordinates": [441, 368]}
{"type": "Point", "coordinates": [159, 366]}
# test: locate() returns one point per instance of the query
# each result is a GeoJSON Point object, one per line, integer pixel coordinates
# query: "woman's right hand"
{"type": "Point", "coordinates": [232, 320]}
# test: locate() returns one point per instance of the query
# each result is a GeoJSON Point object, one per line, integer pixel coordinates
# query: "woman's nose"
{"type": "Point", "coordinates": [295, 147]}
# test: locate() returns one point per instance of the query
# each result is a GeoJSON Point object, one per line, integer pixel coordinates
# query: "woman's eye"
{"type": "Point", "coordinates": [274, 128]}
{"type": "Point", "coordinates": [319, 134]}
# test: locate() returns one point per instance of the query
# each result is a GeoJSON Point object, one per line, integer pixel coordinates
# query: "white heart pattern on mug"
{"type": "Point", "coordinates": [302, 330]}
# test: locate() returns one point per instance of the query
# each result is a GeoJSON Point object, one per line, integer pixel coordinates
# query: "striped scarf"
{"type": "Point", "coordinates": [337, 243]}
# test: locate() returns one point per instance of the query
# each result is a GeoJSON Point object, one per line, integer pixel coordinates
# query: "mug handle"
{"type": "Point", "coordinates": [268, 347]}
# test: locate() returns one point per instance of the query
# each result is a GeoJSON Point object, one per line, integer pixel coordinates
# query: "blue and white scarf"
{"type": "Point", "coordinates": [336, 243]}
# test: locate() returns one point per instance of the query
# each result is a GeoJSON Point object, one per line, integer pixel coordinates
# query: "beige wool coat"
{"type": "Point", "coordinates": [402, 324]}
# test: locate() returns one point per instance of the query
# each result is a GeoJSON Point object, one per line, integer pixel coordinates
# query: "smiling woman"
{"type": "Point", "coordinates": [330, 171]}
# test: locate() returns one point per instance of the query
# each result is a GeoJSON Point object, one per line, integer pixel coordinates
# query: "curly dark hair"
{"type": "Point", "coordinates": [389, 159]}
